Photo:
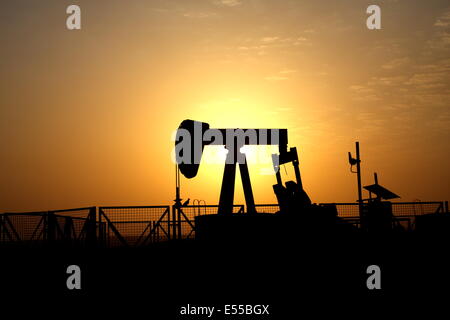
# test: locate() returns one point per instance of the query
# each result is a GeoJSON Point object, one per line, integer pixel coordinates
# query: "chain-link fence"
{"type": "Point", "coordinates": [134, 225]}
{"type": "Point", "coordinates": [352, 209]}
{"type": "Point", "coordinates": [28, 228]}
{"type": "Point", "coordinates": [142, 225]}
{"type": "Point", "coordinates": [76, 227]}
{"type": "Point", "coordinates": [70, 227]}
{"type": "Point", "coordinates": [188, 214]}
{"type": "Point", "coordinates": [267, 208]}
{"type": "Point", "coordinates": [404, 213]}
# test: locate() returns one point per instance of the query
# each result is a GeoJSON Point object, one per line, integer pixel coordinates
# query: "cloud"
{"type": "Point", "coordinates": [361, 89]}
{"type": "Point", "coordinates": [228, 3]}
{"type": "Point", "coordinates": [443, 20]}
{"type": "Point", "coordinates": [387, 81]}
{"type": "Point", "coordinates": [427, 80]}
{"type": "Point", "coordinates": [396, 63]}
{"type": "Point", "coordinates": [276, 78]}
{"type": "Point", "coordinates": [281, 76]}
{"type": "Point", "coordinates": [282, 42]}
{"type": "Point", "coordinates": [441, 37]}
{"type": "Point", "coordinates": [363, 93]}
{"type": "Point", "coordinates": [269, 39]}
{"type": "Point", "coordinates": [288, 71]}
{"type": "Point", "coordinates": [199, 15]}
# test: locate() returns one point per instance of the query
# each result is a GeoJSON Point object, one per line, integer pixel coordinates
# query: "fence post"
{"type": "Point", "coordinates": [179, 222]}
{"type": "Point", "coordinates": [101, 232]}
{"type": "Point", "coordinates": [91, 235]}
{"type": "Point", "coordinates": [174, 223]}
{"type": "Point", "coordinates": [51, 228]}
{"type": "Point", "coordinates": [169, 227]}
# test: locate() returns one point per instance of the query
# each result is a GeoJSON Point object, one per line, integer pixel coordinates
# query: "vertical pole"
{"type": "Point", "coordinates": [246, 184]}
{"type": "Point", "coordinates": [101, 231]}
{"type": "Point", "coordinates": [375, 177]}
{"type": "Point", "coordinates": [358, 173]}
{"type": "Point", "coordinates": [174, 222]}
{"type": "Point", "coordinates": [91, 227]}
{"type": "Point", "coordinates": [176, 207]}
{"type": "Point", "coordinates": [227, 190]}
{"type": "Point", "coordinates": [179, 222]}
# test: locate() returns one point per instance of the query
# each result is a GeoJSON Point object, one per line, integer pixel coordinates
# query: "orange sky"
{"type": "Point", "coordinates": [87, 116]}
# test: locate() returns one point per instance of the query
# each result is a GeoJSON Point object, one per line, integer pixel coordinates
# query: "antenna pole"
{"type": "Point", "coordinates": [176, 220]}
{"type": "Point", "coordinates": [358, 173]}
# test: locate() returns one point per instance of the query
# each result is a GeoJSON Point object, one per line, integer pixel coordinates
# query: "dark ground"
{"type": "Point", "coordinates": [319, 274]}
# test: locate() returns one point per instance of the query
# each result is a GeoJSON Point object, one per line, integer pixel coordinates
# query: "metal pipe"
{"type": "Point", "coordinates": [358, 173]}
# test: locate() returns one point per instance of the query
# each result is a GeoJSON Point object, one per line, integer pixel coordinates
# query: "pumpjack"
{"type": "Point", "coordinates": [192, 136]}
{"type": "Point", "coordinates": [296, 209]}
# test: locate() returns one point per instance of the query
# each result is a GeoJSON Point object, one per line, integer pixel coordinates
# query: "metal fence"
{"type": "Point", "coordinates": [267, 208]}
{"type": "Point", "coordinates": [351, 209]}
{"type": "Point", "coordinates": [23, 228]}
{"type": "Point", "coordinates": [134, 225]}
{"type": "Point", "coordinates": [404, 213]}
{"type": "Point", "coordinates": [188, 214]}
{"type": "Point", "coordinates": [71, 227]}
{"type": "Point", "coordinates": [142, 225]}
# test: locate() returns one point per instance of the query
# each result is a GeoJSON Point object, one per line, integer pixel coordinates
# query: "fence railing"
{"type": "Point", "coordinates": [71, 227]}
{"type": "Point", "coordinates": [399, 209]}
{"type": "Point", "coordinates": [141, 225]}
{"type": "Point", "coordinates": [134, 225]}
{"type": "Point", "coordinates": [188, 214]}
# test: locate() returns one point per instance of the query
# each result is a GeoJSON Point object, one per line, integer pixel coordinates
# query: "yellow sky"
{"type": "Point", "coordinates": [87, 116]}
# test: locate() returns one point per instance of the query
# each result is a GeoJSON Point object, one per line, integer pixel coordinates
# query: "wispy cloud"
{"type": "Point", "coordinates": [441, 38]}
{"type": "Point", "coordinates": [281, 75]}
{"type": "Point", "coordinates": [228, 3]}
{"type": "Point", "coordinates": [199, 15]}
{"type": "Point", "coordinates": [288, 71]}
{"type": "Point", "coordinates": [276, 78]}
{"type": "Point", "coordinates": [396, 63]}
{"type": "Point", "coordinates": [269, 39]}
{"type": "Point", "coordinates": [443, 20]}
{"type": "Point", "coordinates": [278, 41]}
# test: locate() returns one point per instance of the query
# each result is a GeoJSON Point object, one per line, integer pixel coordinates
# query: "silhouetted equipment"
{"type": "Point", "coordinates": [381, 192]}
{"type": "Point", "coordinates": [190, 169]}
{"type": "Point", "coordinates": [293, 196]}
{"type": "Point", "coordinates": [176, 209]}
{"type": "Point", "coordinates": [357, 161]}
{"type": "Point", "coordinates": [196, 130]}
{"type": "Point", "coordinates": [377, 214]}
{"type": "Point", "coordinates": [352, 162]}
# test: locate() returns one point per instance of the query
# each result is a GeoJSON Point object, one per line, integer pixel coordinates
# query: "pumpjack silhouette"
{"type": "Point", "coordinates": [297, 212]}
